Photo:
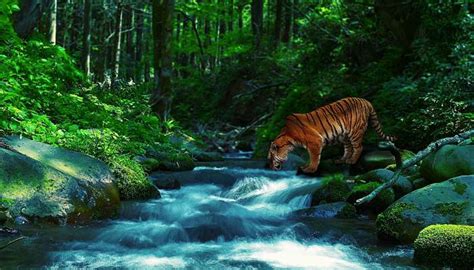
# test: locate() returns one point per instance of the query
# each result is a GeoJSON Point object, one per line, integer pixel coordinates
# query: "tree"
{"type": "Point", "coordinates": [257, 21]}
{"type": "Point", "coordinates": [117, 43]}
{"type": "Point", "coordinates": [86, 38]}
{"type": "Point", "coordinates": [162, 24]}
{"type": "Point", "coordinates": [278, 16]}
{"type": "Point", "coordinates": [29, 15]}
{"type": "Point", "coordinates": [53, 21]}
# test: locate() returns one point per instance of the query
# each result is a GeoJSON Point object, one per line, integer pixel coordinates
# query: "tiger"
{"type": "Point", "coordinates": [344, 121]}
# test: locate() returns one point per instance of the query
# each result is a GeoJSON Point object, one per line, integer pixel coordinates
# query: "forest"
{"type": "Point", "coordinates": [135, 134]}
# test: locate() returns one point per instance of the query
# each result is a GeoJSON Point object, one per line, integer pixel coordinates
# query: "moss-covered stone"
{"type": "Point", "coordinates": [131, 180]}
{"type": "Point", "coordinates": [401, 187]}
{"type": "Point", "coordinates": [378, 204]}
{"type": "Point", "coordinates": [54, 185]}
{"type": "Point", "coordinates": [170, 161]}
{"type": "Point", "coordinates": [448, 162]}
{"type": "Point", "coordinates": [446, 246]}
{"type": "Point", "coordinates": [437, 203]}
{"type": "Point", "coordinates": [376, 159]}
{"type": "Point", "coordinates": [333, 189]}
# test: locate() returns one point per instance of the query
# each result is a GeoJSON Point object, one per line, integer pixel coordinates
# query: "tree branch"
{"type": "Point", "coordinates": [412, 161]}
{"type": "Point", "coordinates": [12, 242]}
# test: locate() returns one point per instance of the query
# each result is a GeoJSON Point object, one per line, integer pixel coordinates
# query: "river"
{"type": "Point", "coordinates": [227, 218]}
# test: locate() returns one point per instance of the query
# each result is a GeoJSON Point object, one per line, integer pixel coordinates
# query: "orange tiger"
{"type": "Point", "coordinates": [344, 121]}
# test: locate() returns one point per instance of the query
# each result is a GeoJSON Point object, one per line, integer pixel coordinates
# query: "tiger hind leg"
{"type": "Point", "coordinates": [356, 145]}
{"type": "Point", "coordinates": [347, 152]}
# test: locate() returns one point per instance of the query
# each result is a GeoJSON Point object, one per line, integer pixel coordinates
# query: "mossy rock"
{"type": "Point", "coordinates": [376, 159]}
{"type": "Point", "coordinates": [131, 180]}
{"type": "Point", "coordinates": [383, 200]}
{"type": "Point", "coordinates": [169, 161]}
{"type": "Point", "coordinates": [333, 189]}
{"type": "Point", "coordinates": [445, 246]}
{"type": "Point", "coordinates": [54, 185]}
{"type": "Point", "coordinates": [401, 187]}
{"type": "Point", "coordinates": [449, 202]}
{"type": "Point", "coordinates": [329, 210]}
{"type": "Point", "coordinates": [448, 162]}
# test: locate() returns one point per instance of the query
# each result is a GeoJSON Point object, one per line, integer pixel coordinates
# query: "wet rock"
{"type": "Point", "coordinates": [49, 184]}
{"type": "Point", "coordinates": [419, 183]}
{"type": "Point", "coordinates": [165, 182]}
{"type": "Point", "coordinates": [448, 162]}
{"type": "Point", "coordinates": [401, 187]}
{"type": "Point", "coordinates": [383, 200]}
{"type": "Point", "coordinates": [208, 176]}
{"type": "Point", "coordinates": [445, 246]}
{"type": "Point", "coordinates": [376, 159]}
{"type": "Point", "coordinates": [168, 162]}
{"type": "Point", "coordinates": [329, 210]}
{"type": "Point", "coordinates": [448, 202]}
{"type": "Point", "coordinates": [21, 220]}
{"type": "Point", "coordinates": [333, 189]}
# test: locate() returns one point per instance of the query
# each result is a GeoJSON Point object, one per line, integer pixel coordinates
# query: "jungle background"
{"type": "Point", "coordinates": [115, 79]}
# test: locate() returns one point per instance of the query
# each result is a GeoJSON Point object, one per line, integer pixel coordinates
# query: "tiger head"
{"type": "Point", "coordinates": [279, 150]}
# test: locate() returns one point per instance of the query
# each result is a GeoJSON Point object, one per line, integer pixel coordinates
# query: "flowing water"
{"type": "Point", "coordinates": [245, 221]}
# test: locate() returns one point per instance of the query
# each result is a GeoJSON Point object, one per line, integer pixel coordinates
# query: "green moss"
{"type": "Point", "coordinates": [334, 189]}
{"type": "Point", "coordinates": [460, 188]}
{"type": "Point", "coordinates": [131, 179]}
{"type": "Point", "coordinates": [446, 245]}
{"type": "Point", "coordinates": [348, 211]}
{"type": "Point", "coordinates": [455, 209]}
{"type": "Point", "coordinates": [390, 219]}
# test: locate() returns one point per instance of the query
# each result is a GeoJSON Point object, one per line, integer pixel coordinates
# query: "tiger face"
{"type": "Point", "coordinates": [278, 152]}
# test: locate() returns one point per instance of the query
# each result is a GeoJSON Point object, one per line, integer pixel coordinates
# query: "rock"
{"type": "Point", "coordinates": [148, 164]}
{"type": "Point", "coordinates": [383, 200]}
{"type": "Point", "coordinates": [448, 202]}
{"type": "Point", "coordinates": [329, 210]}
{"type": "Point", "coordinates": [446, 246]}
{"type": "Point", "coordinates": [165, 182]}
{"type": "Point", "coordinates": [402, 186]}
{"type": "Point", "coordinates": [333, 189]}
{"type": "Point", "coordinates": [293, 162]}
{"type": "Point", "coordinates": [177, 166]}
{"type": "Point", "coordinates": [49, 184]}
{"type": "Point", "coordinates": [376, 159]}
{"type": "Point", "coordinates": [448, 162]}
{"type": "Point", "coordinates": [419, 183]}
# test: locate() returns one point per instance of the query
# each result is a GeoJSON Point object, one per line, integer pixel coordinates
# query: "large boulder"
{"type": "Point", "coordinates": [401, 187]}
{"type": "Point", "coordinates": [446, 246]}
{"type": "Point", "coordinates": [448, 162]}
{"type": "Point", "coordinates": [449, 202]}
{"type": "Point", "coordinates": [54, 185]}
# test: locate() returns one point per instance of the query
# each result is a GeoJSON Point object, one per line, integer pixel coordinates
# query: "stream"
{"type": "Point", "coordinates": [221, 218]}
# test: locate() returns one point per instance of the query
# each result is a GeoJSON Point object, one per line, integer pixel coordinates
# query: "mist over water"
{"type": "Point", "coordinates": [247, 225]}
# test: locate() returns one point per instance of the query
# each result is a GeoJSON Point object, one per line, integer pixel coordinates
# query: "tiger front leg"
{"type": "Point", "coordinates": [314, 152]}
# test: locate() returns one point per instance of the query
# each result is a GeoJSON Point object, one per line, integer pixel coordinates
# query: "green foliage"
{"type": "Point", "coordinates": [45, 97]}
{"type": "Point", "coordinates": [346, 52]}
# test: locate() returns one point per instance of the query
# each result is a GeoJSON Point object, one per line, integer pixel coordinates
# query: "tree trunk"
{"type": "Point", "coordinates": [231, 16]}
{"type": "Point", "coordinates": [139, 17]}
{"type": "Point", "coordinates": [286, 37]}
{"type": "Point", "coordinates": [240, 10]}
{"type": "Point", "coordinates": [29, 16]}
{"type": "Point", "coordinates": [257, 21]}
{"type": "Point", "coordinates": [162, 34]}
{"type": "Point", "coordinates": [278, 15]}
{"type": "Point", "coordinates": [129, 49]}
{"type": "Point", "coordinates": [53, 22]}
{"type": "Point", "coordinates": [117, 44]}
{"type": "Point", "coordinates": [86, 38]}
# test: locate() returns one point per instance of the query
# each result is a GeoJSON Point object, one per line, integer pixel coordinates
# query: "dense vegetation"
{"type": "Point", "coordinates": [227, 68]}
